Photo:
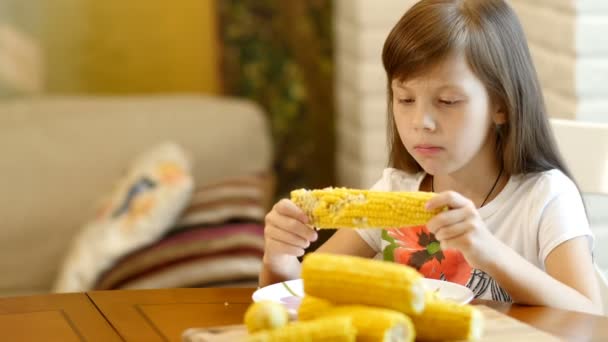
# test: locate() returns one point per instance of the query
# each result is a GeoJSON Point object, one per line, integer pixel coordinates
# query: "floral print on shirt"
{"type": "Point", "coordinates": [418, 248]}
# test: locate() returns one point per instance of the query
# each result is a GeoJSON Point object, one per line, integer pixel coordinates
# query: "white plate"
{"type": "Point", "coordinates": [280, 293]}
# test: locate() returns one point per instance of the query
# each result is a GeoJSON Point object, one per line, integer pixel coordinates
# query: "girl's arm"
{"type": "Point", "coordinates": [344, 241]}
{"type": "Point", "coordinates": [570, 282]}
{"type": "Point", "coordinates": [347, 241]}
{"type": "Point", "coordinates": [269, 274]}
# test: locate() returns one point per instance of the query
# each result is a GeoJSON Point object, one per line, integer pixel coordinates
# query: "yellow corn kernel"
{"type": "Point", "coordinates": [265, 315]}
{"type": "Point", "coordinates": [338, 329]}
{"type": "Point", "coordinates": [353, 208]}
{"type": "Point", "coordinates": [372, 323]}
{"type": "Point", "coordinates": [444, 320]}
{"type": "Point", "coordinates": [312, 307]}
{"type": "Point", "coordinates": [355, 280]}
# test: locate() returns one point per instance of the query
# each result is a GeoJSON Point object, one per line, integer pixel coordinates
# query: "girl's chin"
{"type": "Point", "coordinates": [431, 168]}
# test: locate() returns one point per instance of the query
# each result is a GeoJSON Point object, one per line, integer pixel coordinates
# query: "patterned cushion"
{"type": "Point", "coordinates": [194, 257]}
{"type": "Point", "coordinates": [218, 240]}
{"type": "Point", "coordinates": [142, 207]}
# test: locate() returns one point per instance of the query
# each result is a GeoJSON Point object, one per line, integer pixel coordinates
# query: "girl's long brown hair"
{"type": "Point", "coordinates": [493, 41]}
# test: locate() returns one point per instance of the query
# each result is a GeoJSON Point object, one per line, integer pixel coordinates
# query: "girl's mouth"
{"type": "Point", "coordinates": [427, 150]}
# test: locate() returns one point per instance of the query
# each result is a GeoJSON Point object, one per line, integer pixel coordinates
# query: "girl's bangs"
{"type": "Point", "coordinates": [421, 41]}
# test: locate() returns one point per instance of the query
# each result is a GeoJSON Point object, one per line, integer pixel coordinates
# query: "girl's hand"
{"type": "Point", "coordinates": [286, 234]}
{"type": "Point", "coordinates": [461, 228]}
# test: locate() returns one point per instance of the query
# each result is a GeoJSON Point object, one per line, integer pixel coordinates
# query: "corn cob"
{"type": "Point", "coordinates": [372, 323]}
{"type": "Point", "coordinates": [338, 329]}
{"type": "Point", "coordinates": [355, 280]}
{"type": "Point", "coordinates": [312, 307]}
{"type": "Point", "coordinates": [351, 208]}
{"type": "Point", "coordinates": [444, 320]}
{"type": "Point", "coordinates": [265, 315]}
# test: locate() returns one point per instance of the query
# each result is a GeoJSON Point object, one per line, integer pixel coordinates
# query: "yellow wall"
{"type": "Point", "coordinates": [122, 46]}
{"type": "Point", "coordinates": [151, 46]}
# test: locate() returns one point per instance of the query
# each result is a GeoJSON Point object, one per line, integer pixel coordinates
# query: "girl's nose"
{"type": "Point", "coordinates": [423, 119]}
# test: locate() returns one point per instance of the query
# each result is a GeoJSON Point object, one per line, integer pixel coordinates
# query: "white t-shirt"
{"type": "Point", "coordinates": [533, 214]}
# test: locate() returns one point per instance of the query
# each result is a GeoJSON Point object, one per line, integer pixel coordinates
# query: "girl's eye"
{"type": "Point", "coordinates": [406, 101]}
{"type": "Point", "coordinates": [448, 102]}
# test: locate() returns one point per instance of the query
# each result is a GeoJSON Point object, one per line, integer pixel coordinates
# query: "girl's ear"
{"type": "Point", "coordinates": [500, 116]}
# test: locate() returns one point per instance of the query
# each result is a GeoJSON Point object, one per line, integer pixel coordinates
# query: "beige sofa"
{"type": "Point", "coordinates": [58, 155]}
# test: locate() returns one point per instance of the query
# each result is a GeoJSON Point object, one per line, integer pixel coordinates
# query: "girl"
{"type": "Point", "coordinates": [467, 120]}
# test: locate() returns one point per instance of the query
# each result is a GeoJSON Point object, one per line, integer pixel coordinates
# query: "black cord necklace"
{"type": "Point", "coordinates": [487, 196]}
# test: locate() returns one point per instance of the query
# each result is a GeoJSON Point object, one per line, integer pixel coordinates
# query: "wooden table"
{"type": "Point", "coordinates": [568, 325]}
{"type": "Point", "coordinates": [162, 315]}
{"type": "Point", "coordinates": [59, 317]}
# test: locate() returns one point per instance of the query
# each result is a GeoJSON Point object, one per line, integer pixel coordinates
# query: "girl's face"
{"type": "Point", "coordinates": [445, 117]}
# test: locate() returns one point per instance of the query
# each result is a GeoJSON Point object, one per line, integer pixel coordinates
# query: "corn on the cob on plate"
{"type": "Point", "coordinates": [265, 315]}
{"type": "Point", "coordinates": [353, 208]}
{"type": "Point", "coordinates": [373, 324]}
{"type": "Point", "coordinates": [355, 280]}
{"type": "Point", "coordinates": [326, 329]}
{"type": "Point", "coordinates": [443, 320]}
{"type": "Point", "coordinates": [312, 307]}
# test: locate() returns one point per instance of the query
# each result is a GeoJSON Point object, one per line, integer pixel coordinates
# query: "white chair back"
{"type": "Point", "coordinates": [584, 147]}
{"type": "Point", "coordinates": [603, 282]}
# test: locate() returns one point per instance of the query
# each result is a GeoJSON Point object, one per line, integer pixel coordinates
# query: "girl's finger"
{"type": "Point", "coordinates": [450, 199]}
{"type": "Point", "coordinates": [453, 231]}
{"type": "Point", "coordinates": [446, 219]}
{"type": "Point", "coordinates": [284, 236]}
{"type": "Point", "coordinates": [279, 247]}
{"type": "Point", "coordinates": [287, 208]}
{"type": "Point", "coordinates": [291, 225]}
